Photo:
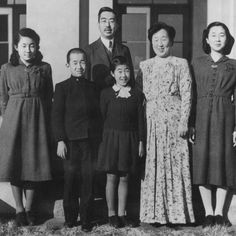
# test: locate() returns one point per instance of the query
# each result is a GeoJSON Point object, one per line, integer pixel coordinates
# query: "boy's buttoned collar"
{"type": "Point", "coordinates": [77, 79]}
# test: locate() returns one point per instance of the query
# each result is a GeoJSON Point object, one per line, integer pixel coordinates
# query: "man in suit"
{"type": "Point", "coordinates": [101, 51]}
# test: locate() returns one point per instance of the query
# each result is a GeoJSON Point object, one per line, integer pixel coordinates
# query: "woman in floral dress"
{"type": "Point", "coordinates": [165, 80]}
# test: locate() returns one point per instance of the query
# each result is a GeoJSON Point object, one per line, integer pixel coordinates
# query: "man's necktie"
{"type": "Point", "coordinates": [110, 46]}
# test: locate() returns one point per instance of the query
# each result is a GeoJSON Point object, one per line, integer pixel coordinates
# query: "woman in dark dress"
{"type": "Point", "coordinates": [122, 141]}
{"type": "Point", "coordinates": [26, 98]}
{"type": "Point", "coordinates": [214, 133]}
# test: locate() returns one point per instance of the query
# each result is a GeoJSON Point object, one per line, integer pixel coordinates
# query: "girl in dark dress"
{"type": "Point", "coordinates": [26, 97]}
{"type": "Point", "coordinates": [122, 142]}
{"type": "Point", "coordinates": [214, 133]}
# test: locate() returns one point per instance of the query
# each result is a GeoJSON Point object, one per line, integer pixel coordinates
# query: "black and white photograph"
{"type": "Point", "coordinates": [118, 117]}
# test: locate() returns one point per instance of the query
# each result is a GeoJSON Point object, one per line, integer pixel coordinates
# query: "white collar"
{"type": "Point", "coordinates": [106, 42]}
{"type": "Point", "coordinates": [123, 92]}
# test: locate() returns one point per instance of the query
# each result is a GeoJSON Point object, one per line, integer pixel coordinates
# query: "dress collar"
{"type": "Point", "coordinates": [222, 59]}
{"type": "Point", "coordinates": [122, 92]}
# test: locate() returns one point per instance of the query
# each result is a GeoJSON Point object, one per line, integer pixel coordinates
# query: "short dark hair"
{"type": "Point", "coordinates": [105, 9]}
{"type": "Point", "coordinates": [30, 33]}
{"type": "Point", "coordinates": [229, 38]}
{"type": "Point", "coordinates": [119, 60]}
{"type": "Point", "coordinates": [161, 25]}
{"type": "Point", "coordinates": [75, 50]}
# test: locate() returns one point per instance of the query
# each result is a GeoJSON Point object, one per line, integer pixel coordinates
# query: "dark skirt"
{"type": "Point", "coordinates": [118, 151]}
{"type": "Point", "coordinates": [24, 142]}
{"type": "Point", "coordinates": [214, 158]}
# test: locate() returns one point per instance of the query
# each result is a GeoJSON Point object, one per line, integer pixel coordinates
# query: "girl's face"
{"type": "Point", "coordinates": [77, 64]}
{"type": "Point", "coordinates": [161, 43]}
{"type": "Point", "coordinates": [26, 49]}
{"type": "Point", "coordinates": [217, 38]}
{"type": "Point", "coordinates": [121, 75]}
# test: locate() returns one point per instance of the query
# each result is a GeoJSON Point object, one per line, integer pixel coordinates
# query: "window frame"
{"type": "Point", "coordinates": [9, 12]}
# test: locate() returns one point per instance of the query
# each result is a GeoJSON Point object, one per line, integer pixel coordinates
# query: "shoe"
{"type": "Point", "coordinates": [21, 219]}
{"type": "Point", "coordinates": [69, 224]}
{"type": "Point", "coordinates": [114, 221]}
{"type": "Point", "coordinates": [124, 222]}
{"type": "Point", "coordinates": [30, 217]}
{"type": "Point", "coordinates": [209, 221]}
{"type": "Point", "coordinates": [86, 227]}
{"type": "Point", "coordinates": [220, 220]}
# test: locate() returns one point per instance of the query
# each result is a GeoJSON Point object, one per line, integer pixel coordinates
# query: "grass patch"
{"type": "Point", "coordinates": [8, 228]}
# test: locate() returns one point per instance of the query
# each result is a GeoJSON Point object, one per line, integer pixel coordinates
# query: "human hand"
{"type": "Point", "coordinates": [141, 149]}
{"type": "Point", "coordinates": [191, 137]}
{"type": "Point", "coordinates": [61, 149]}
{"type": "Point", "coordinates": [234, 139]}
{"type": "Point", "coordinates": [182, 131]}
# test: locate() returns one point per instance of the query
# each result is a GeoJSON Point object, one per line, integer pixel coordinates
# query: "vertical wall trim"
{"type": "Point", "coordinates": [83, 23]}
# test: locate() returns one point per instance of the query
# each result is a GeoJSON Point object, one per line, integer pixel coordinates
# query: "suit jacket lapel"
{"type": "Point", "coordinates": [101, 52]}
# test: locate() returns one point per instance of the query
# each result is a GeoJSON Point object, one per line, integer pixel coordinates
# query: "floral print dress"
{"type": "Point", "coordinates": [166, 188]}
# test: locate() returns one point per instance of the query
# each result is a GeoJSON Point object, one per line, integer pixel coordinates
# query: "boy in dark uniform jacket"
{"type": "Point", "coordinates": [75, 115]}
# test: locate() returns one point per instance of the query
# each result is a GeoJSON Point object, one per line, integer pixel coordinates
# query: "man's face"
{"type": "Point", "coordinates": [107, 24]}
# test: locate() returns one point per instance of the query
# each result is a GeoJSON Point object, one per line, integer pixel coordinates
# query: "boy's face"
{"type": "Point", "coordinates": [77, 64]}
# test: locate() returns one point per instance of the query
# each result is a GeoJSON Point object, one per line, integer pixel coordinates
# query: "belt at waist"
{"type": "Point", "coordinates": [24, 95]}
{"type": "Point", "coordinates": [213, 95]}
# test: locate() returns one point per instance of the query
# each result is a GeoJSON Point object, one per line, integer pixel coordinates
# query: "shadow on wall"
{"type": "Point", "coordinates": [6, 209]}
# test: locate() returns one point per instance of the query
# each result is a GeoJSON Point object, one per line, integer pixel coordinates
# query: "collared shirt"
{"type": "Point", "coordinates": [106, 42]}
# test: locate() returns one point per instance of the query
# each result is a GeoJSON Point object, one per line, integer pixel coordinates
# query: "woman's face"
{"type": "Point", "coordinates": [122, 75]}
{"type": "Point", "coordinates": [216, 38]}
{"type": "Point", "coordinates": [161, 43]}
{"type": "Point", "coordinates": [26, 49]}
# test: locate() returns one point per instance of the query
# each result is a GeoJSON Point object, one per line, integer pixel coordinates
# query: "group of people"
{"type": "Point", "coordinates": [104, 119]}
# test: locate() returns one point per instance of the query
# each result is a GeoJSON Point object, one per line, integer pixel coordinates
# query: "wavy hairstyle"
{"type": "Point", "coordinates": [161, 25]}
{"type": "Point", "coordinates": [229, 38]}
{"type": "Point", "coordinates": [30, 33]}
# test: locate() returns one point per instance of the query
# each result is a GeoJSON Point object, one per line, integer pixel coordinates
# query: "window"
{"type": "Point", "coordinates": [6, 34]}
{"type": "Point", "coordinates": [135, 35]}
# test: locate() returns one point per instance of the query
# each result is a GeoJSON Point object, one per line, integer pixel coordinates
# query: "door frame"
{"type": "Point", "coordinates": [155, 9]}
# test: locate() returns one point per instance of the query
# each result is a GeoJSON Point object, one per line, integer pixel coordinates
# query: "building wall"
{"type": "Point", "coordinates": [224, 11]}
{"type": "Point", "coordinates": [57, 23]}
{"type": "Point", "coordinates": [94, 7]}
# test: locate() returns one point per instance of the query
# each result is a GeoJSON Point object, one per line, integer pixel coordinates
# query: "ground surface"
{"type": "Point", "coordinates": [55, 227]}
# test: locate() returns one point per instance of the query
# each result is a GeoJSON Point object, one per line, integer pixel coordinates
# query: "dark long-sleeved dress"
{"type": "Point", "coordinates": [214, 158]}
{"type": "Point", "coordinates": [26, 97]}
{"type": "Point", "coordinates": [122, 131]}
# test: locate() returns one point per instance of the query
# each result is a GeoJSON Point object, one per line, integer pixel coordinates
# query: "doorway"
{"type": "Point", "coordinates": [135, 20]}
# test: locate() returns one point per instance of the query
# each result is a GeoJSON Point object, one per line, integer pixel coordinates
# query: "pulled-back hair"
{"type": "Point", "coordinates": [119, 60]}
{"type": "Point", "coordinates": [30, 33]}
{"type": "Point", "coordinates": [161, 25]}
{"type": "Point", "coordinates": [229, 38]}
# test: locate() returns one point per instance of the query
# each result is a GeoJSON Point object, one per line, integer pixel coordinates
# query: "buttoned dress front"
{"type": "Point", "coordinates": [214, 158]}
{"type": "Point", "coordinates": [26, 96]}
